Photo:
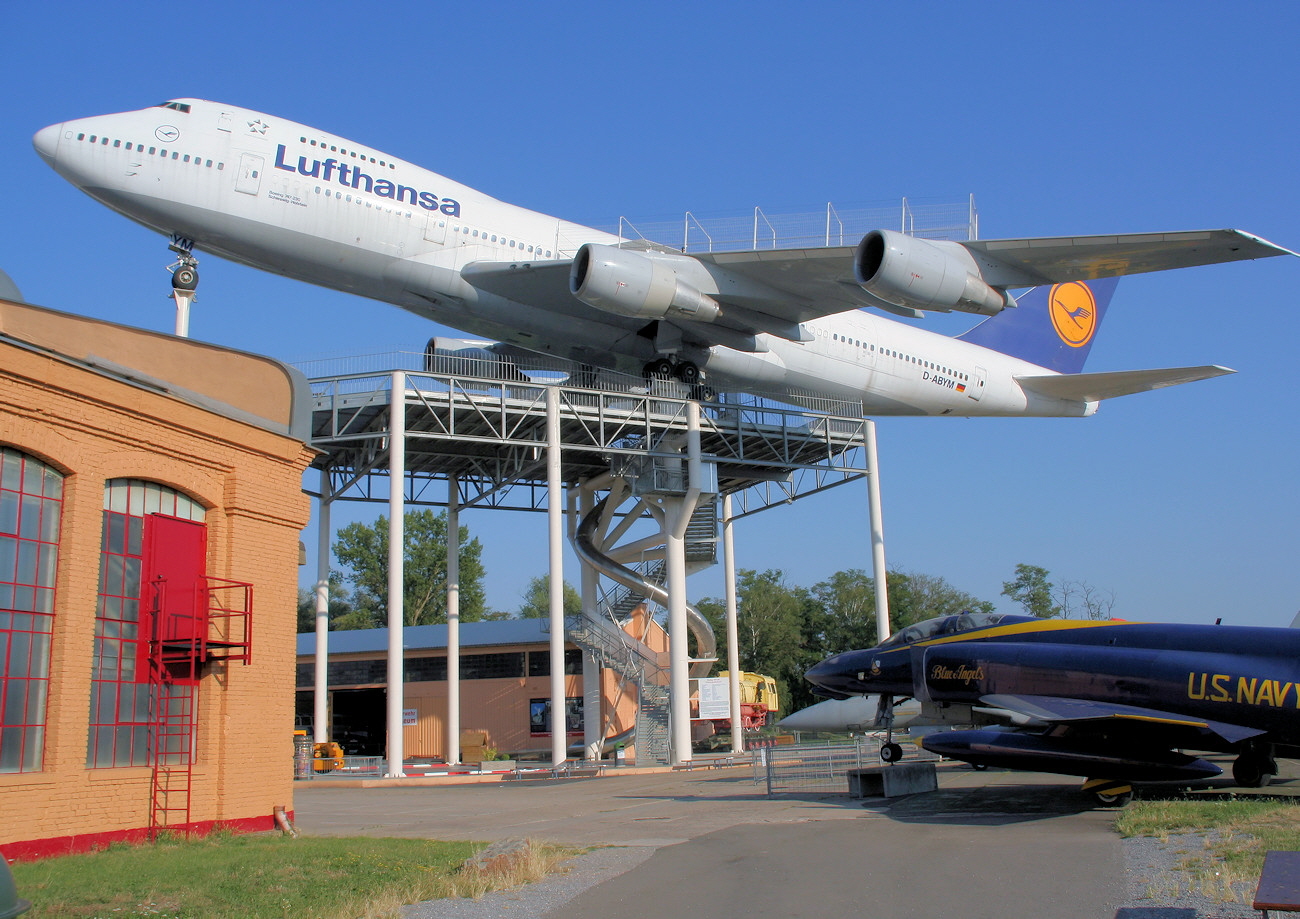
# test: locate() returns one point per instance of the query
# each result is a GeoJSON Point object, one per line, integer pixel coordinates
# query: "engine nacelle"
{"type": "Point", "coordinates": [643, 285]}
{"type": "Point", "coordinates": [469, 358]}
{"type": "Point", "coordinates": [924, 274]}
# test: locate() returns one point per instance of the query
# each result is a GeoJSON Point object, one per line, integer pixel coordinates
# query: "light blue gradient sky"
{"type": "Point", "coordinates": [1059, 118]}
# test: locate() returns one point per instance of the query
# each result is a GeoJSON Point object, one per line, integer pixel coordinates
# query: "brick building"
{"type": "Point", "coordinates": [150, 514]}
{"type": "Point", "coordinates": [505, 670]}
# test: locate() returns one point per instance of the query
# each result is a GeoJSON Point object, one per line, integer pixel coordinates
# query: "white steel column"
{"type": "Point", "coordinates": [679, 679]}
{"type": "Point", "coordinates": [396, 573]}
{"type": "Point", "coordinates": [877, 535]}
{"type": "Point", "coordinates": [678, 518]}
{"type": "Point", "coordinates": [733, 636]}
{"type": "Point", "coordinates": [453, 620]}
{"type": "Point", "coordinates": [555, 518]}
{"type": "Point", "coordinates": [593, 718]}
{"type": "Point", "coordinates": [320, 714]}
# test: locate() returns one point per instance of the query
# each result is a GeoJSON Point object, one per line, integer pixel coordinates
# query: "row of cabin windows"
{"type": "Point", "coordinates": [467, 231]}
{"type": "Point", "coordinates": [152, 151]}
{"type": "Point", "coordinates": [342, 152]}
{"type": "Point", "coordinates": [483, 234]}
{"type": "Point", "coordinates": [360, 200]}
{"type": "Point", "coordinates": [496, 666]}
{"type": "Point", "coordinates": [887, 352]}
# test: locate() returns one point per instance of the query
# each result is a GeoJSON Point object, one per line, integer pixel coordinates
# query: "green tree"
{"type": "Point", "coordinates": [340, 605]}
{"type": "Point", "coordinates": [537, 599]}
{"type": "Point", "coordinates": [1033, 591]}
{"type": "Point", "coordinates": [776, 631]}
{"type": "Point", "coordinates": [848, 604]}
{"type": "Point", "coordinates": [363, 550]}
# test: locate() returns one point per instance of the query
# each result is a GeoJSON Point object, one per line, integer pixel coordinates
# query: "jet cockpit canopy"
{"type": "Point", "coordinates": [949, 625]}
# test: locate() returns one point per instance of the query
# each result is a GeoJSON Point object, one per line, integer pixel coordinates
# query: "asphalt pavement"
{"type": "Point", "coordinates": [711, 843]}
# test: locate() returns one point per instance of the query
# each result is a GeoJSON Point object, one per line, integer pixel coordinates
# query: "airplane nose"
{"type": "Point", "coordinates": [46, 142]}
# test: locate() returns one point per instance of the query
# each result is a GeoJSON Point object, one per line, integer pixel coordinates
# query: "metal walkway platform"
{"type": "Point", "coordinates": [490, 434]}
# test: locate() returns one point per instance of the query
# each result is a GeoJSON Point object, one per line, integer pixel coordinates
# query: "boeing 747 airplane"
{"type": "Point", "coordinates": [301, 202]}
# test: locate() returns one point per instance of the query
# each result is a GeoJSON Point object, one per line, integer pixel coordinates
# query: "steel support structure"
{"type": "Point", "coordinates": [516, 439]}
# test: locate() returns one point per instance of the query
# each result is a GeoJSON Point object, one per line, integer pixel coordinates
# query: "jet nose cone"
{"type": "Point", "coordinates": [46, 142]}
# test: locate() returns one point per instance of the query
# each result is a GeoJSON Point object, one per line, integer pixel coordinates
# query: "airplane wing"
{"type": "Point", "coordinates": [806, 284]}
{"type": "Point", "coordinates": [1082, 715]}
{"type": "Point", "coordinates": [1093, 387]}
{"type": "Point", "coordinates": [1052, 260]}
{"type": "Point", "coordinates": [799, 285]}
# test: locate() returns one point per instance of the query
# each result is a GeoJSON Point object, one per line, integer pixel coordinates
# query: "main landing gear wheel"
{"type": "Point", "coordinates": [1119, 799]}
{"type": "Point", "coordinates": [688, 373]}
{"type": "Point", "coordinates": [890, 753]}
{"type": "Point", "coordinates": [1109, 792]}
{"type": "Point", "coordinates": [1253, 771]}
{"type": "Point", "coordinates": [659, 369]}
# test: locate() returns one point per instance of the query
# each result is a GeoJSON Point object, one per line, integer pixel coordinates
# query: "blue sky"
{"type": "Point", "coordinates": [1059, 118]}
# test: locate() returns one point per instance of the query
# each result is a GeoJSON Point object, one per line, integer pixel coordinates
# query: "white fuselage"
{"type": "Point", "coordinates": [300, 202]}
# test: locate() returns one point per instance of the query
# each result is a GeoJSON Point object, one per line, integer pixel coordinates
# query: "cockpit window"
{"type": "Point", "coordinates": [948, 625]}
{"type": "Point", "coordinates": [182, 107]}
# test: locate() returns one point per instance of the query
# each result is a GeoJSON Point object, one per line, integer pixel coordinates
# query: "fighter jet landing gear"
{"type": "Point", "coordinates": [1109, 792]}
{"type": "Point", "coordinates": [185, 280]}
{"type": "Point", "coordinates": [1255, 766]}
{"type": "Point", "coordinates": [890, 752]}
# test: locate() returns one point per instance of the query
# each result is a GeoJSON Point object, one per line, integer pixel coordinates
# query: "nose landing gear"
{"type": "Point", "coordinates": [185, 280]}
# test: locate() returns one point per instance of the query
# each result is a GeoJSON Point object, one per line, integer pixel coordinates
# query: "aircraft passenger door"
{"type": "Point", "coordinates": [977, 385]}
{"type": "Point", "coordinates": [435, 230]}
{"type": "Point", "coordinates": [248, 178]}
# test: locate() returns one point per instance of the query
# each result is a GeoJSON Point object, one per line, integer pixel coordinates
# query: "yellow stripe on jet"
{"type": "Point", "coordinates": [1019, 628]}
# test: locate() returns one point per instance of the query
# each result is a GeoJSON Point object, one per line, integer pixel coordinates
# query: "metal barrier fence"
{"type": "Point", "coordinates": [354, 767]}
{"type": "Point", "coordinates": [825, 767]}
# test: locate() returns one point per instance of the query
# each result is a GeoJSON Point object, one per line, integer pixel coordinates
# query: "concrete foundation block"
{"type": "Point", "coordinates": [892, 780]}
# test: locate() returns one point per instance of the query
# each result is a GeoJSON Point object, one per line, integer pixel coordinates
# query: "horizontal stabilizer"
{"type": "Point", "coordinates": [1093, 387]}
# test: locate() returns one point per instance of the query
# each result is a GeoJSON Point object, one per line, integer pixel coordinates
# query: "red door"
{"type": "Point", "coordinates": [175, 556]}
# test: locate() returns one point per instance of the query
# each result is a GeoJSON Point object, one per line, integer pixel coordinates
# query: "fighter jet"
{"type": "Point", "coordinates": [1115, 702]}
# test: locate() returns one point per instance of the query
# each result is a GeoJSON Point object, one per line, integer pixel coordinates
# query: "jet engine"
{"type": "Point", "coordinates": [924, 274]}
{"type": "Point", "coordinates": [643, 285]}
{"type": "Point", "coordinates": [469, 358]}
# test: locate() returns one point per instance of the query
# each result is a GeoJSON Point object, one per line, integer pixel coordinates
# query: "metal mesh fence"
{"type": "Point", "coordinates": [354, 767]}
{"type": "Point", "coordinates": [928, 219]}
{"type": "Point", "coordinates": [810, 767]}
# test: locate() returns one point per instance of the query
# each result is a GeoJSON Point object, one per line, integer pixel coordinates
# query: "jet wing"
{"type": "Point", "coordinates": [806, 283]}
{"type": "Point", "coordinates": [1093, 387]}
{"type": "Point", "coordinates": [1049, 260]}
{"type": "Point", "coordinates": [1082, 715]}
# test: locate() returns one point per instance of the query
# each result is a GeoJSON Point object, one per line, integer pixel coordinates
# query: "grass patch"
{"type": "Point", "coordinates": [265, 877]}
{"type": "Point", "coordinates": [1232, 836]}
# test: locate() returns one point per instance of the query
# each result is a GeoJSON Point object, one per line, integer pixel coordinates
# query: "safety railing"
{"type": "Point", "coordinates": [790, 769]}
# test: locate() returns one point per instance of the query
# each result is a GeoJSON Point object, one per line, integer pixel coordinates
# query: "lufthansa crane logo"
{"type": "Point", "coordinates": [1074, 313]}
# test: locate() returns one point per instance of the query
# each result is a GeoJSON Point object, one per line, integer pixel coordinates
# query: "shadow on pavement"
{"type": "Point", "coordinates": [992, 805]}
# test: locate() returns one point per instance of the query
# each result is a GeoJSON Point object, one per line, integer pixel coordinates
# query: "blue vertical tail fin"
{"type": "Point", "coordinates": [1052, 326]}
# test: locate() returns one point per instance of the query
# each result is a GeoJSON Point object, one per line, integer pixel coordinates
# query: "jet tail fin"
{"type": "Point", "coordinates": [1052, 326]}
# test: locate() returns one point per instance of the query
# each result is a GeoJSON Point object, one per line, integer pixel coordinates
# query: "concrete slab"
{"type": "Point", "coordinates": [893, 781]}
